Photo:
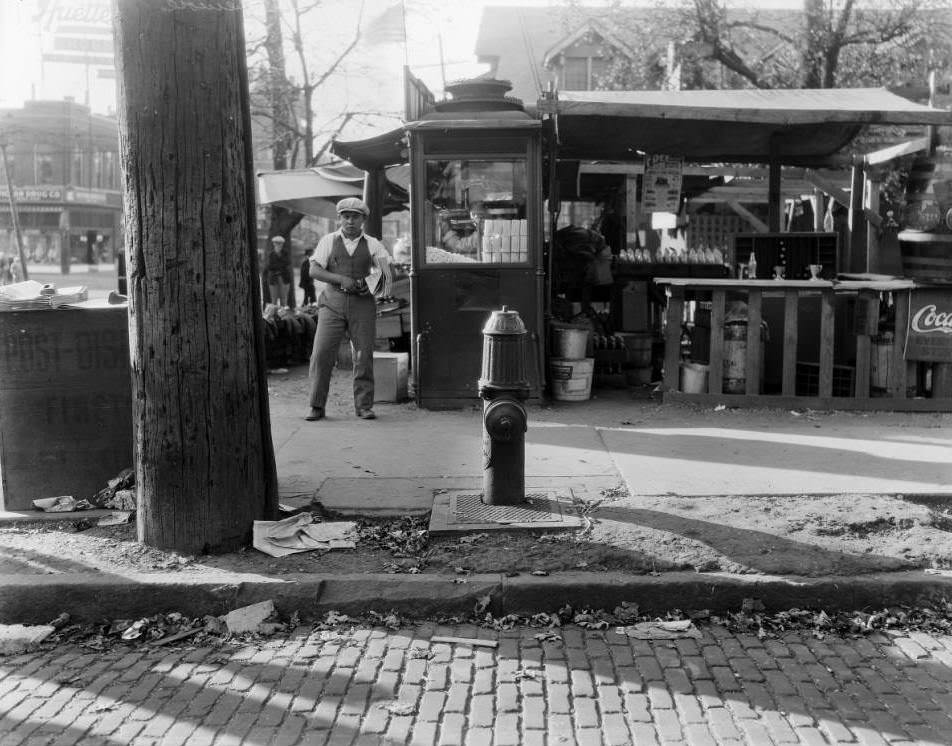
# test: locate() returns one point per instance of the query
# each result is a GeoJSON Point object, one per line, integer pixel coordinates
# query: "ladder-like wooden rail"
{"type": "Point", "coordinates": [792, 292]}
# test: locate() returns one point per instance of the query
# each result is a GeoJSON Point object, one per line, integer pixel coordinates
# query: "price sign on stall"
{"type": "Point", "coordinates": [661, 191]}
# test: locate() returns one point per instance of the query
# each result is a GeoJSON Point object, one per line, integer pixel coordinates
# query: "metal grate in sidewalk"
{"type": "Point", "coordinates": [463, 511]}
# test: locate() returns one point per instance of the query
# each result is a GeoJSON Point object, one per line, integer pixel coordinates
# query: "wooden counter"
{"type": "Point", "coordinates": [864, 326]}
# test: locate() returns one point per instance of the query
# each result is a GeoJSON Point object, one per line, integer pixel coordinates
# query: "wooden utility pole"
{"type": "Point", "coordinates": [14, 215]}
{"type": "Point", "coordinates": [204, 457]}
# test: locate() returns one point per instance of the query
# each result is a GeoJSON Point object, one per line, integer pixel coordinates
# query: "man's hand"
{"type": "Point", "coordinates": [347, 283]}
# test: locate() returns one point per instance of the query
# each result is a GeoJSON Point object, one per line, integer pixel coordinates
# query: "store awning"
{"type": "Point", "coordinates": [309, 190]}
{"type": "Point", "coordinates": [804, 126]}
{"type": "Point", "coordinates": [387, 149]}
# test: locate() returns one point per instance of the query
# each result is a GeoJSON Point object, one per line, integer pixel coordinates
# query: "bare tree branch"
{"type": "Point", "coordinates": [753, 26]}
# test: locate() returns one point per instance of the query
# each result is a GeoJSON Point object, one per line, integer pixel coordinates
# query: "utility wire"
{"type": "Point", "coordinates": [527, 43]}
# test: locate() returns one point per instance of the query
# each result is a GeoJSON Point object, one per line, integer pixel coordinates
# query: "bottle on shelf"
{"type": "Point", "coordinates": [752, 266]}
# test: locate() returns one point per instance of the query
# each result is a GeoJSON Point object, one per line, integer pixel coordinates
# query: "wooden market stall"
{"type": "Point", "coordinates": [685, 300]}
{"type": "Point", "coordinates": [764, 333]}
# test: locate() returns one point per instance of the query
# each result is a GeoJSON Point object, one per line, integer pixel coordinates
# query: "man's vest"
{"type": "Point", "coordinates": [357, 267]}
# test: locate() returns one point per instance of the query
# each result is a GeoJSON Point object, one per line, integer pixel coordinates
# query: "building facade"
{"type": "Point", "coordinates": [63, 165]}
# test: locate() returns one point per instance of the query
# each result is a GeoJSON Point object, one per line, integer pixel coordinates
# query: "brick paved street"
{"type": "Point", "coordinates": [372, 686]}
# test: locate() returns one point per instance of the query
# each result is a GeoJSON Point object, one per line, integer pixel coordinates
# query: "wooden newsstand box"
{"type": "Point", "coordinates": [65, 403]}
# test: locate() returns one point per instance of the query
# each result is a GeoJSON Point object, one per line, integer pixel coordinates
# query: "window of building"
{"type": "Point", "coordinates": [98, 180]}
{"type": "Point", "coordinates": [575, 74]}
{"type": "Point", "coordinates": [44, 169]}
{"type": "Point", "coordinates": [76, 172]}
{"type": "Point", "coordinates": [599, 69]}
{"type": "Point", "coordinates": [110, 171]}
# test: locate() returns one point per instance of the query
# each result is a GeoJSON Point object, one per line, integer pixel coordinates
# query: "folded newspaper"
{"type": "Point", "coordinates": [299, 533]}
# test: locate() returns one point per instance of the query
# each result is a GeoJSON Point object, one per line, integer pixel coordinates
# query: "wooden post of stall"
{"type": "Point", "coordinates": [819, 209]}
{"type": "Point", "coordinates": [672, 339]}
{"type": "Point", "coordinates": [867, 326]}
{"type": "Point", "coordinates": [873, 258]}
{"type": "Point", "coordinates": [855, 259]}
{"type": "Point", "coordinates": [773, 186]}
{"type": "Point", "coordinates": [375, 195]}
{"type": "Point", "coordinates": [897, 382]}
{"type": "Point", "coordinates": [754, 342]}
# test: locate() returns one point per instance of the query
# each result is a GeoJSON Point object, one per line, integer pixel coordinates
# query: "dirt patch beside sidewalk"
{"type": "Point", "coordinates": [795, 535]}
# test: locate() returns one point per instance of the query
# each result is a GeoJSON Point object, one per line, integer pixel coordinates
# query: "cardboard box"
{"type": "Point", "coordinates": [391, 370]}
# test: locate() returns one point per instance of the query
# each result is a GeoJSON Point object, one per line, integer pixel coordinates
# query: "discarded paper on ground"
{"type": "Point", "coordinates": [672, 630]}
{"type": "Point", "coordinates": [299, 533]}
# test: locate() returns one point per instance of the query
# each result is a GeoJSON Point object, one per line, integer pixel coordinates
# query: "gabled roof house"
{"type": "Point", "coordinates": [533, 46]}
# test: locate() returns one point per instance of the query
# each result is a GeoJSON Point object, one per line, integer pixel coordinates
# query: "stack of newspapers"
{"type": "Point", "coordinates": [31, 295]}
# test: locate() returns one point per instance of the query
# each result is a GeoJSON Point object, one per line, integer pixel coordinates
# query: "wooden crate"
{"type": "Point", "coordinates": [391, 371]}
{"type": "Point", "coordinates": [65, 403]}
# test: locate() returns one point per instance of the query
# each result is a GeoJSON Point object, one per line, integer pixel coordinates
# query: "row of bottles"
{"type": "Point", "coordinates": [670, 255]}
{"type": "Point", "coordinates": [607, 342]}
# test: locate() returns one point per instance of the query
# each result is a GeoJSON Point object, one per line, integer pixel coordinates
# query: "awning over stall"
{"type": "Point", "coordinates": [382, 150]}
{"type": "Point", "coordinates": [795, 127]}
{"type": "Point", "coordinates": [308, 190]}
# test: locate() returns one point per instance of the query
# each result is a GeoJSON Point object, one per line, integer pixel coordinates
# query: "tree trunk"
{"type": "Point", "coordinates": [814, 41]}
{"type": "Point", "coordinates": [204, 458]}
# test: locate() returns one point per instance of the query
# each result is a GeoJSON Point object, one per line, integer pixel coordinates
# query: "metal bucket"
{"type": "Point", "coordinates": [570, 343]}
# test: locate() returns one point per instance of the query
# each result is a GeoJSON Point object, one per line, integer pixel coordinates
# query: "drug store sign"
{"type": "Point", "coordinates": [930, 326]}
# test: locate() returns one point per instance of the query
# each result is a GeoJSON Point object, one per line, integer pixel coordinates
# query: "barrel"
{"type": "Point", "coordinates": [571, 378]}
{"type": "Point", "coordinates": [925, 241]}
{"type": "Point", "coordinates": [638, 345]}
{"type": "Point", "coordinates": [638, 368]}
{"type": "Point", "coordinates": [735, 357]}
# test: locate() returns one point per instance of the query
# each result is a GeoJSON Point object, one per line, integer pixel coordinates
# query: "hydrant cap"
{"type": "Point", "coordinates": [504, 321]}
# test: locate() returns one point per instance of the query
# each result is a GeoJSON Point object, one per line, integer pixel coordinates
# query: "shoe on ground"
{"type": "Point", "coordinates": [366, 414]}
{"type": "Point", "coordinates": [315, 414]}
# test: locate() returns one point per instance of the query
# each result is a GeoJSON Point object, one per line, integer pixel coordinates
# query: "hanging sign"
{"type": "Point", "coordinates": [661, 191]}
{"type": "Point", "coordinates": [930, 326]}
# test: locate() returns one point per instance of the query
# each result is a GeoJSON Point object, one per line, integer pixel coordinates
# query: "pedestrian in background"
{"type": "Point", "coordinates": [342, 262]}
{"type": "Point", "coordinates": [278, 268]}
{"type": "Point", "coordinates": [306, 282]}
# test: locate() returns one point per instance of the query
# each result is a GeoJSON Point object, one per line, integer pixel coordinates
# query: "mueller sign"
{"type": "Point", "coordinates": [930, 326]}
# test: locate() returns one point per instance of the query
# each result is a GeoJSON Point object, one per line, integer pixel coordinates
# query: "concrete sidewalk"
{"type": "Point", "coordinates": [393, 464]}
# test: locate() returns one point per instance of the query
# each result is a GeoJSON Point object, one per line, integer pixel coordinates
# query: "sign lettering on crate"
{"type": "Point", "coordinates": [930, 326]}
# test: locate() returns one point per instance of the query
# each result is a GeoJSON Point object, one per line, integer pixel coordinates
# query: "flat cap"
{"type": "Point", "coordinates": [352, 204]}
{"type": "Point", "coordinates": [277, 239]}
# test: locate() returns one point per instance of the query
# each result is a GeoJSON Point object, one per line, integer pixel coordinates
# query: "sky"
{"type": "Point", "coordinates": [26, 26]}
{"type": "Point", "coordinates": [440, 37]}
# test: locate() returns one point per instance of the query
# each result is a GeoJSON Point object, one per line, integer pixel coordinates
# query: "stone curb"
{"type": "Point", "coordinates": [92, 597]}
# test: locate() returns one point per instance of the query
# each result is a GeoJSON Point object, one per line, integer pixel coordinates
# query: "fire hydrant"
{"type": "Point", "coordinates": [502, 386]}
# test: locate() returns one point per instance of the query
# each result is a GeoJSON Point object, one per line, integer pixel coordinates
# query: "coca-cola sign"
{"type": "Point", "coordinates": [930, 326]}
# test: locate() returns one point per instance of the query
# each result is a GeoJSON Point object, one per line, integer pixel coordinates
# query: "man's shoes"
{"type": "Point", "coordinates": [366, 414]}
{"type": "Point", "coordinates": [315, 414]}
